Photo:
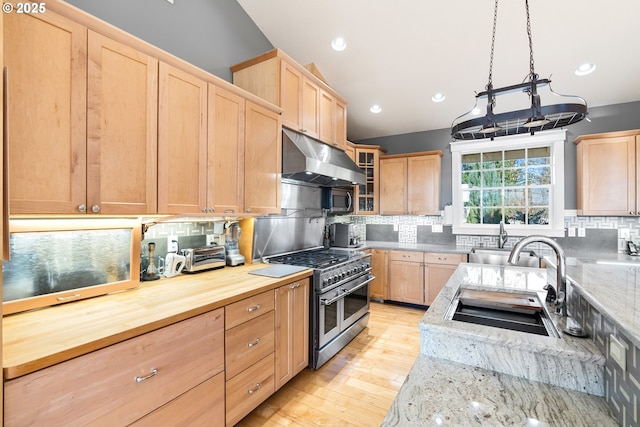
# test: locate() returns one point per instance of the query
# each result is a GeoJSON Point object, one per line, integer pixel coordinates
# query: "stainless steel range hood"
{"type": "Point", "coordinates": [309, 160]}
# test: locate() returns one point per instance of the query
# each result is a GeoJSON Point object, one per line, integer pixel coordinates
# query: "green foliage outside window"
{"type": "Point", "coordinates": [509, 185]}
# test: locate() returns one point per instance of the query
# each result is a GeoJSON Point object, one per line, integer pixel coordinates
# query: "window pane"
{"type": "Point", "coordinates": [492, 160]}
{"type": "Point", "coordinates": [514, 158]}
{"type": "Point", "coordinates": [492, 198]}
{"type": "Point", "coordinates": [540, 156]}
{"type": "Point", "coordinates": [471, 198]}
{"type": "Point", "coordinates": [470, 162]}
{"type": "Point", "coordinates": [472, 215]}
{"type": "Point", "coordinates": [539, 197]}
{"type": "Point", "coordinates": [514, 216]}
{"type": "Point", "coordinates": [515, 177]}
{"type": "Point", "coordinates": [491, 215]}
{"type": "Point", "coordinates": [539, 216]}
{"type": "Point", "coordinates": [539, 175]}
{"type": "Point", "coordinates": [492, 178]}
{"type": "Point", "coordinates": [514, 197]}
{"type": "Point", "coordinates": [472, 179]}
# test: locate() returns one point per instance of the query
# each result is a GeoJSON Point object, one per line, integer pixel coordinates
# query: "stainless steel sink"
{"type": "Point", "coordinates": [521, 312]}
{"type": "Point", "coordinates": [495, 256]}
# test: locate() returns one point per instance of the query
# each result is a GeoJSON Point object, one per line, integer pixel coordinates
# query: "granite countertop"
{"type": "Point", "coordinates": [469, 374]}
{"type": "Point", "coordinates": [612, 286]}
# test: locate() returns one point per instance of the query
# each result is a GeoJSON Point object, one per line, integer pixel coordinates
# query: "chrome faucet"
{"type": "Point", "coordinates": [561, 281]}
{"type": "Point", "coordinates": [502, 236]}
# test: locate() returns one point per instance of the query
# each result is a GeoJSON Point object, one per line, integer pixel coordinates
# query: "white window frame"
{"type": "Point", "coordinates": [554, 139]}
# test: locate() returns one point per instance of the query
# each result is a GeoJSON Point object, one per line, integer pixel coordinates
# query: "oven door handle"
{"type": "Point", "coordinates": [345, 293]}
{"type": "Point", "coordinates": [361, 285]}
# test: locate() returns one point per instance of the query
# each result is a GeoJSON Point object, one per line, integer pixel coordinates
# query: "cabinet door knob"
{"type": "Point", "coordinates": [95, 208]}
{"type": "Point", "coordinates": [204, 210]}
{"type": "Point", "coordinates": [82, 208]}
{"type": "Point", "coordinates": [249, 210]}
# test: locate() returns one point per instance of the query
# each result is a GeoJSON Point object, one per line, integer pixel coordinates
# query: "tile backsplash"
{"type": "Point", "coordinates": [602, 233]}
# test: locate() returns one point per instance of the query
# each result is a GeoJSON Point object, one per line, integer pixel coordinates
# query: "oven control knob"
{"type": "Point", "coordinates": [335, 278]}
{"type": "Point", "coordinates": [343, 275]}
{"type": "Point", "coordinates": [325, 281]}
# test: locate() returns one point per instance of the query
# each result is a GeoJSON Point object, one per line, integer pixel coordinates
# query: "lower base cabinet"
{"type": "Point", "coordinates": [247, 390]}
{"type": "Point", "coordinates": [417, 277]}
{"type": "Point", "coordinates": [202, 406]}
{"type": "Point", "coordinates": [120, 384]}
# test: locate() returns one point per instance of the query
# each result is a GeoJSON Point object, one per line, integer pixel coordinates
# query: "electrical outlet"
{"type": "Point", "coordinates": [582, 232]}
{"type": "Point", "coordinates": [211, 239]}
{"type": "Point", "coordinates": [571, 232]}
{"type": "Point", "coordinates": [618, 353]}
{"type": "Point", "coordinates": [172, 244]}
{"type": "Point", "coordinates": [624, 233]}
{"type": "Point", "coordinates": [436, 228]}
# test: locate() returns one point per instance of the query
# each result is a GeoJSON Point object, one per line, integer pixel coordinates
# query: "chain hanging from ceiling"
{"type": "Point", "coordinates": [534, 119]}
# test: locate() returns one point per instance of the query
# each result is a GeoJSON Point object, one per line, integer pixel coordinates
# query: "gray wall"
{"type": "Point", "coordinates": [211, 34]}
{"type": "Point", "coordinates": [603, 119]}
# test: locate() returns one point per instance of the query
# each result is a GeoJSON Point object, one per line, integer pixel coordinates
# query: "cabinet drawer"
{"type": "Point", "coordinates": [406, 256]}
{"type": "Point", "coordinates": [249, 389]}
{"type": "Point", "coordinates": [249, 342]}
{"type": "Point", "coordinates": [116, 385]}
{"type": "Point", "coordinates": [437, 258]}
{"type": "Point", "coordinates": [248, 308]}
{"type": "Point", "coordinates": [202, 406]}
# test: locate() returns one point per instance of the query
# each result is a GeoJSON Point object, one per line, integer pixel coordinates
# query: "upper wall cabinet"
{"type": "Point", "coordinates": [225, 169]}
{"type": "Point", "coordinates": [309, 105]}
{"type": "Point", "coordinates": [82, 119]}
{"type": "Point", "coordinates": [608, 169]}
{"type": "Point", "coordinates": [262, 160]}
{"type": "Point", "coordinates": [182, 142]}
{"type": "Point", "coordinates": [410, 184]}
{"type": "Point", "coordinates": [46, 59]}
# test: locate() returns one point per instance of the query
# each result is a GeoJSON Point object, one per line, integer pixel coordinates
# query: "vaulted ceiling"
{"type": "Point", "coordinates": [401, 53]}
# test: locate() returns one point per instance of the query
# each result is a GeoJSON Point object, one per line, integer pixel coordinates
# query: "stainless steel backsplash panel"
{"type": "Point", "coordinates": [277, 235]}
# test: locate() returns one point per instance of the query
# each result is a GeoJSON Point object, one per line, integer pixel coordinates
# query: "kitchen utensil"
{"type": "Point", "coordinates": [232, 236]}
{"type": "Point", "coordinates": [174, 264]}
{"type": "Point", "coordinates": [152, 266]}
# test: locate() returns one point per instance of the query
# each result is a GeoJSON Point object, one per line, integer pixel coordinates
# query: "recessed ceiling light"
{"type": "Point", "coordinates": [375, 109]}
{"type": "Point", "coordinates": [438, 97]}
{"type": "Point", "coordinates": [338, 44]}
{"type": "Point", "coordinates": [585, 69]}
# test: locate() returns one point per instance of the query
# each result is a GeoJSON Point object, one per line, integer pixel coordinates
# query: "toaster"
{"type": "Point", "coordinates": [204, 258]}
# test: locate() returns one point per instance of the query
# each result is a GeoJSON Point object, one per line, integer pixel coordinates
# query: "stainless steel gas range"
{"type": "Point", "coordinates": [340, 300]}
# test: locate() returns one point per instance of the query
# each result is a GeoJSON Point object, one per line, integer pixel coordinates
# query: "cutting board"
{"type": "Point", "coordinates": [278, 270]}
{"type": "Point", "coordinates": [500, 300]}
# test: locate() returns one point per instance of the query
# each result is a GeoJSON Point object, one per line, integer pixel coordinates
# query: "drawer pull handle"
{"type": "Point", "coordinates": [252, 309]}
{"type": "Point", "coordinates": [254, 389]}
{"type": "Point", "coordinates": [74, 296]}
{"type": "Point", "coordinates": [153, 373]}
{"type": "Point", "coordinates": [256, 342]}
{"type": "Point", "coordinates": [295, 286]}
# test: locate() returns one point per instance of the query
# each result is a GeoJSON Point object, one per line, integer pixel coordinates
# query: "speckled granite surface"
{"type": "Point", "coordinates": [569, 362]}
{"type": "Point", "coordinates": [443, 393]}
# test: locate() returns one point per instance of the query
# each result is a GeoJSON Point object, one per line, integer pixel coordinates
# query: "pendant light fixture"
{"type": "Point", "coordinates": [529, 120]}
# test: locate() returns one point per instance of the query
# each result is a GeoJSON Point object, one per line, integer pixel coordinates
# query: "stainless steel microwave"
{"type": "Point", "coordinates": [337, 200]}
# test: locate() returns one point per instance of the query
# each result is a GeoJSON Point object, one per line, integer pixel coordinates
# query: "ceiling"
{"type": "Point", "coordinates": [400, 53]}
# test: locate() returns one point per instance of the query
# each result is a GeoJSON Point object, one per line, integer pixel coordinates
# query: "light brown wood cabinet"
{"type": "Point", "coordinates": [309, 105]}
{"type": "Point", "coordinates": [608, 172]}
{"type": "Point", "coordinates": [182, 142]}
{"type": "Point", "coordinates": [82, 119]}
{"type": "Point", "coordinates": [225, 168]}
{"type": "Point", "coordinates": [262, 160]}
{"type": "Point", "coordinates": [379, 289]}
{"type": "Point", "coordinates": [410, 184]}
{"type": "Point", "coordinates": [249, 354]}
{"type": "Point", "coordinates": [368, 195]}
{"type": "Point", "coordinates": [292, 330]}
{"type": "Point", "coordinates": [120, 384]}
{"type": "Point", "coordinates": [417, 277]}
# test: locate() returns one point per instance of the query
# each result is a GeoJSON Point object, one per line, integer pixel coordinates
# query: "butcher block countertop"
{"type": "Point", "coordinates": [37, 339]}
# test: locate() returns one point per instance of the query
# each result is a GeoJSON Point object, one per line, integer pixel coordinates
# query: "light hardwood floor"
{"type": "Point", "coordinates": [358, 385]}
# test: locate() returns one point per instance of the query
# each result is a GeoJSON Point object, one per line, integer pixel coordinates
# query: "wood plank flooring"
{"type": "Point", "coordinates": [358, 385]}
